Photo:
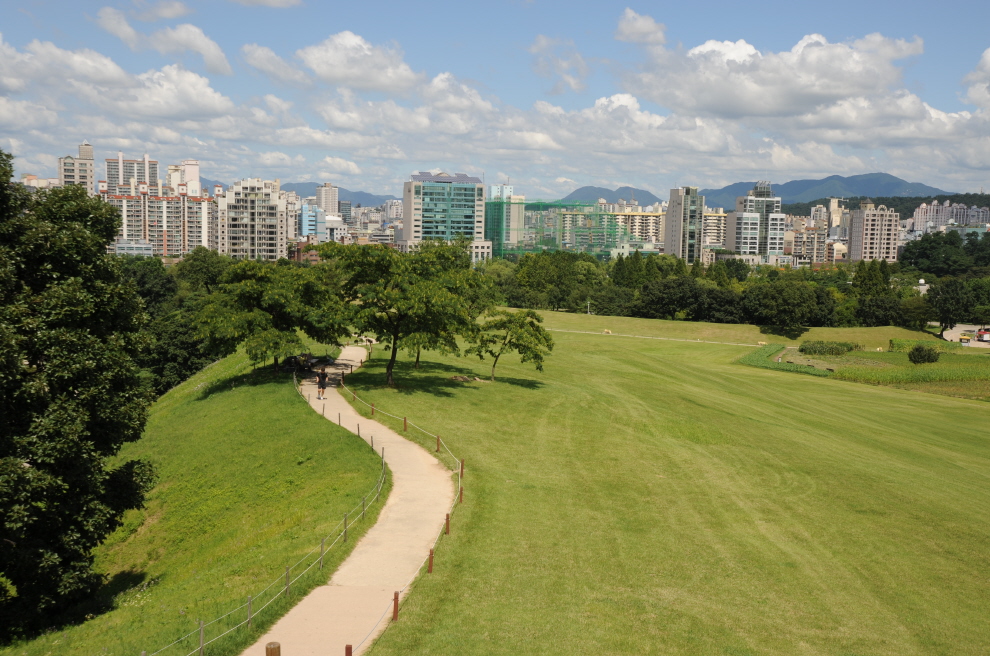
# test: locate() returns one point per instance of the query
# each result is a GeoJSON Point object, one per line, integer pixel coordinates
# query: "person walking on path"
{"type": "Point", "coordinates": [321, 384]}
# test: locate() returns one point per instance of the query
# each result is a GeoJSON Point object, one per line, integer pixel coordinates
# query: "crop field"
{"type": "Point", "coordinates": [963, 372]}
{"type": "Point", "coordinates": [250, 480]}
{"type": "Point", "coordinates": [646, 496]}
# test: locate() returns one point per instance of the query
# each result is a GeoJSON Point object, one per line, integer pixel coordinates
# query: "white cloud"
{"type": "Point", "coordinates": [978, 92]}
{"type": "Point", "coordinates": [734, 79]}
{"type": "Point", "coordinates": [43, 63]}
{"type": "Point", "coordinates": [348, 60]}
{"type": "Point", "coordinates": [637, 28]}
{"type": "Point", "coordinates": [164, 10]}
{"type": "Point", "coordinates": [340, 165]}
{"type": "Point", "coordinates": [24, 115]}
{"type": "Point", "coordinates": [171, 92]}
{"type": "Point", "coordinates": [170, 40]}
{"type": "Point", "coordinates": [277, 69]}
{"type": "Point", "coordinates": [559, 60]}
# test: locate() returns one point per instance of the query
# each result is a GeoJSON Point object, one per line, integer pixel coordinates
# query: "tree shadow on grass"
{"type": "Point", "coordinates": [793, 332]}
{"type": "Point", "coordinates": [254, 378]}
{"type": "Point", "coordinates": [432, 378]}
{"type": "Point", "coordinates": [100, 602]}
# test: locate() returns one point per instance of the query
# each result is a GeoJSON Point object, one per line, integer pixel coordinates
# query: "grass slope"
{"type": "Point", "coordinates": [250, 480]}
{"type": "Point", "coordinates": [647, 496]}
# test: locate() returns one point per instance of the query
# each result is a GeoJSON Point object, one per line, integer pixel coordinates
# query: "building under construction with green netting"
{"type": "Point", "coordinates": [515, 225]}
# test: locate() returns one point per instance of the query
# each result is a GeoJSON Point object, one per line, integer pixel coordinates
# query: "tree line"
{"type": "Point", "coordinates": [786, 300]}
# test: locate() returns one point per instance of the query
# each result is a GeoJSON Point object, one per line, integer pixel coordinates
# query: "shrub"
{"type": "Point", "coordinates": [905, 345]}
{"type": "Point", "coordinates": [923, 353]}
{"type": "Point", "coordinates": [828, 348]}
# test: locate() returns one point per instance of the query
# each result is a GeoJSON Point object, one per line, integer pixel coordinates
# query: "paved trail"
{"type": "Point", "coordinates": [351, 606]}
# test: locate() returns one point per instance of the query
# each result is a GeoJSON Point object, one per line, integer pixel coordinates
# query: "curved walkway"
{"type": "Point", "coordinates": [352, 605]}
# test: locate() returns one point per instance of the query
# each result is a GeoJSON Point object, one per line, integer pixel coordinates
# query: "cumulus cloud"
{"type": "Point", "coordinates": [734, 79]}
{"type": "Point", "coordinates": [978, 92]}
{"type": "Point", "coordinates": [559, 60]}
{"type": "Point", "coordinates": [24, 115]}
{"type": "Point", "coordinates": [348, 60]}
{"type": "Point", "coordinates": [339, 165]}
{"type": "Point", "coordinates": [170, 40]}
{"type": "Point", "coordinates": [44, 63]}
{"type": "Point", "coordinates": [163, 10]}
{"type": "Point", "coordinates": [277, 69]}
{"type": "Point", "coordinates": [637, 28]}
{"type": "Point", "coordinates": [171, 92]}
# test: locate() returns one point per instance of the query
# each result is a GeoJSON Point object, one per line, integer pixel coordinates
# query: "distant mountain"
{"type": "Point", "coordinates": [306, 189]}
{"type": "Point", "coordinates": [803, 191]}
{"type": "Point", "coordinates": [592, 194]}
{"type": "Point", "coordinates": [363, 198]}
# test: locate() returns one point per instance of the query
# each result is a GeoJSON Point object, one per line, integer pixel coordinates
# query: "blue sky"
{"type": "Point", "coordinates": [550, 95]}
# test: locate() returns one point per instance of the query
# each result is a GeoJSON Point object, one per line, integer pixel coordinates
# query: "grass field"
{"type": "Point", "coordinates": [655, 497]}
{"type": "Point", "coordinates": [250, 480]}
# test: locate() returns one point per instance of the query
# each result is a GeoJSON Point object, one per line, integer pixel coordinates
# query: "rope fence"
{"type": "Point", "coordinates": [284, 583]}
{"type": "Point", "coordinates": [665, 339]}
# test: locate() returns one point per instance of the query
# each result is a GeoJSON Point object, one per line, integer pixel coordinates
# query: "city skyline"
{"type": "Point", "coordinates": [365, 98]}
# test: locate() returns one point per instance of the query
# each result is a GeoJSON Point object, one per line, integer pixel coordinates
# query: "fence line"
{"type": "Point", "coordinates": [339, 530]}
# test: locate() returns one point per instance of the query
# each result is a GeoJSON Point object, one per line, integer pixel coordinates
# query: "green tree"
{"type": "Point", "coordinates": [203, 268]}
{"type": "Point", "coordinates": [396, 296]}
{"type": "Point", "coordinates": [916, 312]}
{"type": "Point", "coordinates": [70, 397]}
{"type": "Point", "coordinates": [155, 285]}
{"type": "Point", "coordinates": [263, 305]}
{"type": "Point", "coordinates": [782, 304]}
{"type": "Point", "coordinates": [518, 331]}
{"type": "Point", "coordinates": [697, 269]}
{"type": "Point", "coordinates": [719, 274]}
{"type": "Point", "coordinates": [951, 301]}
{"type": "Point", "coordinates": [981, 315]}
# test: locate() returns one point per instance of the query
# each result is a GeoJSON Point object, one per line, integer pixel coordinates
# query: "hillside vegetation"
{"type": "Point", "coordinates": [250, 480]}
{"type": "Point", "coordinates": [648, 496]}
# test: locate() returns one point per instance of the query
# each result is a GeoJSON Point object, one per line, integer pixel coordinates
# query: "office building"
{"type": "Point", "coordinates": [345, 212]}
{"type": "Point", "coordinates": [328, 198]}
{"type": "Point", "coordinates": [873, 233]}
{"type": "Point", "coordinates": [256, 220]}
{"type": "Point", "coordinates": [505, 219]}
{"type": "Point", "coordinates": [756, 227]}
{"type": "Point", "coordinates": [122, 172]}
{"type": "Point", "coordinates": [444, 206]}
{"type": "Point", "coordinates": [79, 170]}
{"type": "Point", "coordinates": [684, 224]}
{"type": "Point", "coordinates": [312, 220]}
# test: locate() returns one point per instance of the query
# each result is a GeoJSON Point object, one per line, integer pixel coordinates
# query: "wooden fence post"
{"type": "Point", "coordinates": [395, 607]}
{"type": "Point", "coordinates": [429, 570]}
{"type": "Point", "coordinates": [405, 424]}
{"type": "Point", "coordinates": [363, 499]}
{"type": "Point", "coordinates": [462, 467]}
{"type": "Point", "coordinates": [438, 444]}
{"type": "Point", "coordinates": [322, 542]}
{"type": "Point", "coordinates": [462, 494]}
{"type": "Point", "coordinates": [273, 649]}
{"type": "Point", "coordinates": [345, 527]}
{"type": "Point", "coordinates": [249, 611]}
{"type": "Point", "coordinates": [286, 580]}
{"type": "Point", "coordinates": [347, 650]}
{"type": "Point", "coordinates": [446, 528]}
{"type": "Point", "coordinates": [201, 638]}
{"type": "Point", "coordinates": [372, 409]}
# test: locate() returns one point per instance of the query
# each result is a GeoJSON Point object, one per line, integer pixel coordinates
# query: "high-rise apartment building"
{"type": "Point", "coordinates": [756, 227]}
{"type": "Point", "coordinates": [256, 220]}
{"type": "Point", "coordinates": [122, 171]}
{"type": "Point", "coordinates": [172, 222]}
{"type": "Point", "coordinates": [505, 219]}
{"type": "Point", "coordinates": [186, 173]}
{"type": "Point", "coordinates": [392, 209]}
{"type": "Point", "coordinates": [713, 231]}
{"type": "Point", "coordinates": [684, 224]}
{"type": "Point", "coordinates": [79, 170]}
{"type": "Point", "coordinates": [312, 220]}
{"type": "Point", "coordinates": [444, 206]}
{"type": "Point", "coordinates": [328, 198]}
{"type": "Point", "coordinates": [807, 245]}
{"type": "Point", "coordinates": [873, 233]}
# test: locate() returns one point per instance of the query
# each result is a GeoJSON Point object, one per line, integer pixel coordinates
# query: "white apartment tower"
{"type": "Point", "coordinates": [256, 220]}
{"type": "Point", "coordinates": [186, 173]}
{"type": "Point", "coordinates": [757, 225]}
{"type": "Point", "coordinates": [173, 222]}
{"type": "Point", "coordinates": [328, 198]}
{"type": "Point", "coordinates": [121, 172]}
{"type": "Point", "coordinates": [873, 233]}
{"type": "Point", "coordinates": [79, 170]}
{"type": "Point", "coordinates": [444, 206]}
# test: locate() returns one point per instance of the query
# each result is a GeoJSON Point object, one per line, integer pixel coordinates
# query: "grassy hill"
{"type": "Point", "coordinates": [647, 496]}
{"type": "Point", "coordinates": [250, 480]}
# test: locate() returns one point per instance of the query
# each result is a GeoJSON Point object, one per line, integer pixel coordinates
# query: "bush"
{"type": "Point", "coordinates": [923, 353]}
{"type": "Point", "coordinates": [905, 345]}
{"type": "Point", "coordinates": [828, 348]}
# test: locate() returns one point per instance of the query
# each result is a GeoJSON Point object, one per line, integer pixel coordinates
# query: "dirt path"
{"type": "Point", "coordinates": [352, 605]}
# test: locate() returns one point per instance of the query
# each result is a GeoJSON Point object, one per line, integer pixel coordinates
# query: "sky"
{"type": "Point", "coordinates": [545, 95]}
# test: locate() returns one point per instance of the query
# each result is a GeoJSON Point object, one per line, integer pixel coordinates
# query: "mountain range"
{"type": "Point", "coordinates": [306, 189]}
{"type": "Point", "coordinates": [836, 186]}
{"type": "Point", "coordinates": [592, 194]}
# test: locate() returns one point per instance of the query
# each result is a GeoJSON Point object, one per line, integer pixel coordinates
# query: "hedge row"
{"type": "Point", "coordinates": [905, 345]}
